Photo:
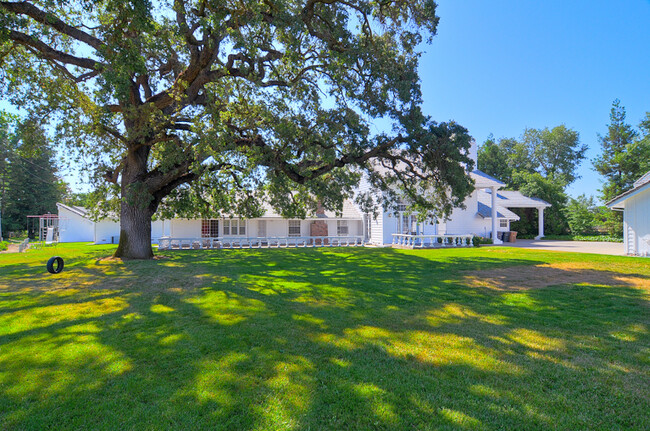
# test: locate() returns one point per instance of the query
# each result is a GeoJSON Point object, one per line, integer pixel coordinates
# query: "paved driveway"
{"type": "Point", "coordinates": [615, 248]}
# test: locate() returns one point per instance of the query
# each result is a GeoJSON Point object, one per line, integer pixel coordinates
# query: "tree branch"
{"type": "Point", "coordinates": [50, 53]}
{"type": "Point", "coordinates": [50, 20]}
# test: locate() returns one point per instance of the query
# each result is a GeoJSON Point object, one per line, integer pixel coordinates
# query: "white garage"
{"type": "Point", "coordinates": [635, 205]}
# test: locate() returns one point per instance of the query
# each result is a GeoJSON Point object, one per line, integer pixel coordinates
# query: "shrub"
{"type": "Point", "coordinates": [4, 245]}
{"type": "Point", "coordinates": [478, 240]}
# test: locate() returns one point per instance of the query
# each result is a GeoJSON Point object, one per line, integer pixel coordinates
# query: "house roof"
{"type": "Point", "coordinates": [481, 179]}
{"type": "Point", "coordinates": [81, 211]}
{"type": "Point", "coordinates": [485, 207]}
{"type": "Point", "coordinates": [513, 199]}
{"type": "Point", "coordinates": [618, 203]}
{"type": "Point", "coordinates": [485, 211]}
{"type": "Point", "coordinates": [644, 179]}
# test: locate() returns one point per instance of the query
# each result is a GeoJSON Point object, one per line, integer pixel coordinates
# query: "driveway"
{"type": "Point", "coordinates": [614, 248]}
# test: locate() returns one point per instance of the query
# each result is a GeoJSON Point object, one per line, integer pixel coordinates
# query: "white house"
{"type": "Point", "coordinates": [486, 213]}
{"type": "Point", "coordinates": [76, 226]}
{"type": "Point", "coordinates": [635, 205]}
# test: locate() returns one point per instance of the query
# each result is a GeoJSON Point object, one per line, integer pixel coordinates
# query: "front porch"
{"type": "Point", "coordinates": [237, 242]}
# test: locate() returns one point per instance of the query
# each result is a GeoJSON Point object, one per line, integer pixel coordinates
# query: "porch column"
{"type": "Point", "coordinates": [540, 213]}
{"type": "Point", "coordinates": [495, 240]}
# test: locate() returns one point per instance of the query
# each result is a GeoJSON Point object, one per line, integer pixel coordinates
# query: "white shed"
{"type": "Point", "coordinates": [635, 205]}
{"type": "Point", "coordinates": [74, 224]}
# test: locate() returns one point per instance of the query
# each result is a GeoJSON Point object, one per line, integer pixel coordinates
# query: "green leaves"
{"type": "Point", "coordinates": [625, 153]}
{"type": "Point", "coordinates": [213, 106]}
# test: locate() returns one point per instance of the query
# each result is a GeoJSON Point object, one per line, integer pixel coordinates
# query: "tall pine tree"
{"type": "Point", "coordinates": [31, 185]}
{"type": "Point", "coordinates": [625, 157]}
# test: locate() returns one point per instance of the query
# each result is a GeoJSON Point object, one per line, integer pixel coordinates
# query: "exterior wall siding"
{"type": "Point", "coordinates": [107, 232]}
{"type": "Point", "coordinates": [75, 228]}
{"type": "Point", "coordinates": [637, 224]}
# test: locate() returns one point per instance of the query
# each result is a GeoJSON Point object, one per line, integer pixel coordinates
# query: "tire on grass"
{"type": "Point", "coordinates": [51, 268]}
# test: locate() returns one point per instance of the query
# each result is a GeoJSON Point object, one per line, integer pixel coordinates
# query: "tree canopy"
{"type": "Point", "coordinates": [541, 163]}
{"type": "Point", "coordinates": [624, 158]}
{"type": "Point", "coordinates": [625, 152]}
{"type": "Point", "coordinates": [29, 183]}
{"type": "Point", "coordinates": [210, 106]}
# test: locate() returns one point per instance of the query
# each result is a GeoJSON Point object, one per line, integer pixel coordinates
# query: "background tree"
{"type": "Point", "coordinates": [582, 215]}
{"type": "Point", "coordinates": [625, 157]}
{"type": "Point", "coordinates": [542, 163]}
{"type": "Point", "coordinates": [31, 184]}
{"type": "Point", "coordinates": [208, 106]}
{"type": "Point", "coordinates": [5, 142]}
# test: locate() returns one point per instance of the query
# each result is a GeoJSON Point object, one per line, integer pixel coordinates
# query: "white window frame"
{"type": "Point", "coordinates": [342, 228]}
{"type": "Point", "coordinates": [234, 227]}
{"type": "Point", "coordinates": [295, 223]}
{"type": "Point", "coordinates": [503, 222]}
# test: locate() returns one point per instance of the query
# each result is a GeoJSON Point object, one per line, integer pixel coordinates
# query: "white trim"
{"type": "Point", "coordinates": [613, 204]}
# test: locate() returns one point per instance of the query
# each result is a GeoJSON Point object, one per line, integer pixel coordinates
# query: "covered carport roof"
{"type": "Point", "coordinates": [514, 199]}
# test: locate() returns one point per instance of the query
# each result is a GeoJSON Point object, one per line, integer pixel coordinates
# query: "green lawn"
{"type": "Point", "coordinates": [341, 339]}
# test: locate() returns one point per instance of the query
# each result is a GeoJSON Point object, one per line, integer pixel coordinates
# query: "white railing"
{"type": "Point", "coordinates": [430, 241]}
{"type": "Point", "coordinates": [169, 243]}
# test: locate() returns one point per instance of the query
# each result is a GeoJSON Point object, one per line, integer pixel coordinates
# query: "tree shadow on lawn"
{"type": "Point", "coordinates": [325, 339]}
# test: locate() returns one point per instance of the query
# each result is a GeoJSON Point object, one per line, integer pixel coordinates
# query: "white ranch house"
{"type": "Point", "coordinates": [486, 213]}
{"type": "Point", "coordinates": [635, 204]}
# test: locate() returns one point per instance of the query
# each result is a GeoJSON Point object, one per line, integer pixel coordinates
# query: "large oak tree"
{"type": "Point", "coordinates": [207, 107]}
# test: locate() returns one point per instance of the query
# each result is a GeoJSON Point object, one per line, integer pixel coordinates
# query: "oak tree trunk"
{"type": "Point", "coordinates": [137, 206]}
{"type": "Point", "coordinates": [135, 233]}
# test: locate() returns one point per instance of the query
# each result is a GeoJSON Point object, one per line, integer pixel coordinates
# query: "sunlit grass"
{"type": "Point", "coordinates": [489, 338]}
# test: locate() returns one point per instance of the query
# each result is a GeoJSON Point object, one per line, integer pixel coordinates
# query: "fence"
{"type": "Point", "coordinates": [431, 241]}
{"type": "Point", "coordinates": [168, 243]}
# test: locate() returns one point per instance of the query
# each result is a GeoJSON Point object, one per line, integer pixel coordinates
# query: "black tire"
{"type": "Point", "coordinates": [59, 265]}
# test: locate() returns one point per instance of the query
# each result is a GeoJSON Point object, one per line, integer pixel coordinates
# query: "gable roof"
{"type": "Point", "coordinates": [644, 179]}
{"type": "Point", "coordinates": [618, 203]}
{"type": "Point", "coordinates": [514, 199]}
{"type": "Point", "coordinates": [80, 211]}
{"type": "Point", "coordinates": [481, 179]}
{"type": "Point", "coordinates": [485, 211]}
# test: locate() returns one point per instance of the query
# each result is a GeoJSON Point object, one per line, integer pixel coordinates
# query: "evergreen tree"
{"type": "Point", "coordinates": [625, 157]}
{"type": "Point", "coordinates": [31, 184]}
{"type": "Point", "coordinates": [619, 161]}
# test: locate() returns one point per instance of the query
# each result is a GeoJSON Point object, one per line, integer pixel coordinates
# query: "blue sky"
{"type": "Point", "coordinates": [504, 65]}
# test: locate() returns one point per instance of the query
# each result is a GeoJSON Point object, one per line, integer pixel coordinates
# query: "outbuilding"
{"type": "Point", "coordinates": [635, 204]}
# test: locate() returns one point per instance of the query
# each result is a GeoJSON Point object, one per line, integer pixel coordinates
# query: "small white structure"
{"type": "Point", "coordinates": [635, 205]}
{"type": "Point", "coordinates": [75, 225]}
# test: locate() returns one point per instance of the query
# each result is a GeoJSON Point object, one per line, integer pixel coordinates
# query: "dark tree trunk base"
{"type": "Point", "coordinates": [135, 233]}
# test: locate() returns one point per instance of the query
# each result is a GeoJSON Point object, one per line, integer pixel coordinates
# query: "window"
{"type": "Point", "coordinates": [294, 227]}
{"type": "Point", "coordinates": [341, 227]}
{"type": "Point", "coordinates": [261, 228]}
{"type": "Point", "coordinates": [407, 224]}
{"type": "Point", "coordinates": [503, 222]}
{"type": "Point", "coordinates": [209, 228]}
{"type": "Point", "coordinates": [234, 227]}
